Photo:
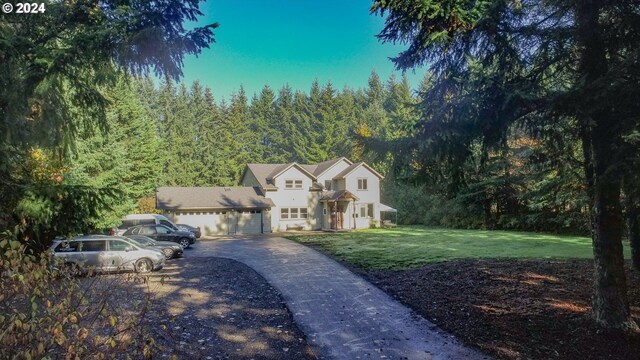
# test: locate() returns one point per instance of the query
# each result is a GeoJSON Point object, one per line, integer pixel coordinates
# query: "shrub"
{"type": "Point", "coordinates": [47, 313]}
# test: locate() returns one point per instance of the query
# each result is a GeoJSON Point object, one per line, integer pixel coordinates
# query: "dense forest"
{"type": "Point", "coordinates": [179, 135]}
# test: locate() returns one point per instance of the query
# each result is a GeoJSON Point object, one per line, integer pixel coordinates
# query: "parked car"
{"type": "Point", "coordinates": [169, 249]}
{"type": "Point", "coordinates": [195, 230]}
{"type": "Point", "coordinates": [106, 253]}
{"type": "Point", "coordinates": [163, 233]}
{"type": "Point", "coordinates": [144, 219]}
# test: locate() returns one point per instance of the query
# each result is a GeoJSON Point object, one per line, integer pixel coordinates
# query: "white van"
{"type": "Point", "coordinates": [144, 219]}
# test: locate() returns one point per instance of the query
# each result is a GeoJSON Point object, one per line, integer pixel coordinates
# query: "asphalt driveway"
{"type": "Point", "coordinates": [343, 316]}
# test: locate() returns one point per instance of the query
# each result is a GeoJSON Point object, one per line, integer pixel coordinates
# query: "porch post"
{"type": "Point", "coordinates": [353, 208]}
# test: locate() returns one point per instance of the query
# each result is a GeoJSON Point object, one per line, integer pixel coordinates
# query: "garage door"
{"type": "Point", "coordinates": [209, 222]}
{"type": "Point", "coordinates": [249, 222]}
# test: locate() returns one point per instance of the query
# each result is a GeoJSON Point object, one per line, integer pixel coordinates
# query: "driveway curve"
{"type": "Point", "coordinates": [343, 315]}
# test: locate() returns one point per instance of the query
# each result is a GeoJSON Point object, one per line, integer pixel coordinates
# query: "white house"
{"type": "Point", "coordinates": [332, 195]}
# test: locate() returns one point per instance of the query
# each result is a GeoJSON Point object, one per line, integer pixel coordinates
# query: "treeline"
{"type": "Point", "coordinates": [205, 142]}
{"type": "Point", "coordinates": [179, 135]}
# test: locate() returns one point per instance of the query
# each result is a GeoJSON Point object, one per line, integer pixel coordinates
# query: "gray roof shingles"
{"type": "Point", "coordinates": [265, 172]}
{"type": "Point", "coordinates": [334, 195]}
{"type": "Point", "coordinates": [323, 166]}
{"type": "Point", "coordinates": [241, 197]}
{"type": "Point", "coordinates": [344, 172]}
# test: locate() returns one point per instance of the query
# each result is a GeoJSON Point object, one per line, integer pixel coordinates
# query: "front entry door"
{"type": "Point", "coordinates": [336, 217]}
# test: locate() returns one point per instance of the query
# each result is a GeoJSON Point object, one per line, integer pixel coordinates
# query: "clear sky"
{"type": "Point", "coordinates": [275, 42]}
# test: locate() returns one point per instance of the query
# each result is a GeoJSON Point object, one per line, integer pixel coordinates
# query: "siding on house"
{"type": "Point", "coordinates": [295, 198]}
{"type": "Point", "coordinates": [257, 205]}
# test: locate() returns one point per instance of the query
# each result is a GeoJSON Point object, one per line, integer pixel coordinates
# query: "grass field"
{"type": "Point", "coordinates": [413, 246]}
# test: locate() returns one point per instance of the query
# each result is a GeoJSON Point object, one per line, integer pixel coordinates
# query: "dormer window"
{"type": "Point", "coordinates": [293, 184]}
{"type": "Point", "coordinates": [362, 184]}
{"type": "Point", "coordinates": [327, 184]}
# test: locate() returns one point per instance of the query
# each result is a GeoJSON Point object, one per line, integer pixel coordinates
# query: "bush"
{"type": "Point", "coordinates": [47, 313]}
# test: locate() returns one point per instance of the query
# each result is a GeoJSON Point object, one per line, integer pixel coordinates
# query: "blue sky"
{"type": "Point", "coordinates": [276, 42]}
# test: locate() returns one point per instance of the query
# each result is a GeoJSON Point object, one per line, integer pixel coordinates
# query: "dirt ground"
{"type": "Point", "coordinates": [515, 309]}
{"type": "Point", "coordinates": [221, 309]}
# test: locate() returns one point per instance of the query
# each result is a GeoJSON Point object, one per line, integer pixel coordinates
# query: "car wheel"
{"type": "Point", "coordinates": [185, 243]}
{"type": "Point", "coordinates": [144, 266]}
{"type": "Point", "coordinates": [168, 253]}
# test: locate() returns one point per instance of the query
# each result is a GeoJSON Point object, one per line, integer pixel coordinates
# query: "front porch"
{"type": "Point", "coordinates": [338, 211]}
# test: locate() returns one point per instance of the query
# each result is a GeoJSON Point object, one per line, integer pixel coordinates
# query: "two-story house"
{"type": "Point", "coordinates": [332, 195]}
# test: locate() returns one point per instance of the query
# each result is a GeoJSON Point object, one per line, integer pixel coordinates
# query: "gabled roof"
{"type": "Point", "coordinates": [355, 166]}
{"type": "Point", "coordinates": [326, 165]}
{"type": "Point", "coordinates": [262, 172]}
{"type": "Point", "coordinates": [265, 173]}
{"type": "Point", "coordinates": [284, 167]}
{"type": "Point", "coordinates": [241, 197]}
{"type": "Point", "coordinates": [335, 195]}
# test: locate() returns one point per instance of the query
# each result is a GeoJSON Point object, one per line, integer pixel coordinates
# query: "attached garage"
{"type": "Point", "coordinates": [217, 210]}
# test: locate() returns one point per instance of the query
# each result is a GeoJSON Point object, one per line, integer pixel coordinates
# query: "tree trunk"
{"type": "Point", "coordinates": [632, 208]}
{"type": "Point", "coordinates": [610, 302]}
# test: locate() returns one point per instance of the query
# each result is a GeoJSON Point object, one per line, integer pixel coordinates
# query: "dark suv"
{"type": "Point", "coordinates": [163, 233]}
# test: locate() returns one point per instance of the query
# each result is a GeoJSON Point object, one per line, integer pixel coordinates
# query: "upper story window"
{"type": "Point", "coordinates": [327, 184]}
{"type": "Point", "coordinates": [362, 184]}
{"type": "Point", "coordinates": [293, 184]}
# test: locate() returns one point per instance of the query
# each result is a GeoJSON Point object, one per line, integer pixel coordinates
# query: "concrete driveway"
{"type": "Point", "coordinates": [343, 316]}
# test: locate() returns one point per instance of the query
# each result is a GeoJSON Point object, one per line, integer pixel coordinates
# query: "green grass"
{"type": "Point", "coordinates": [414, 246]}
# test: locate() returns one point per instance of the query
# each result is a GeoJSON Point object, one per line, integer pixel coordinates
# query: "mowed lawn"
{"type": "Point", "coordinates": [413, 246]}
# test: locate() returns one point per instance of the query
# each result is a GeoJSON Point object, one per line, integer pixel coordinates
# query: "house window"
{"type": "Point", "coordinates": [365, 210]}
{"type": "Point", "coordinates": [362, 184]}
{"type": "Point", "coordinates": [327, 184]}
{"type": "Point", "coordinates": [293, 184]}
{"type": "Point", "coordinates": [294, 213]}
{"type": "Point", "coordinates": [324, 211]}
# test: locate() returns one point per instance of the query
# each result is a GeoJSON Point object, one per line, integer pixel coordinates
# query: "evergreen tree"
{"type": "Point", "coordinates": [180, 139]}
{"type": "Point", "coordinates": [266, 126]}
{"type": "Point", "coordinates": [374, 92]}
{"type": "Point", "coordinates": [285, 126]}
{"type": "Point", "coordinates": [304, 136]}
{"type": "Point", "coordinates": [213, 145]}
{"type": "Point", "coordinates": [497, 64]}
{"type": "Point", "coordinates": [242, 142]}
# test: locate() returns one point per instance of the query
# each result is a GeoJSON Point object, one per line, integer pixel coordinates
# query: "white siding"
{"type": "Point", "coordinates": [333, 171]}
{"type": "Point", "coordinates": [369, 196]}
{"type": "Point", "coordinates": [295, 198]}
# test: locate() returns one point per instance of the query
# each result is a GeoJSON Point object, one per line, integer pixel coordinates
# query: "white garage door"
{"type": "Point", "coordinates": [224, 222]}
{"type": "Point", "coordinates": [249, 222]}
{"type": "Point", "coordinates": [209, 222]}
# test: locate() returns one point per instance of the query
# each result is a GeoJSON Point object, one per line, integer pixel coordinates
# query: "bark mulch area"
{"type": "Point", "coordinates": [515, 309]}
{"type": "Point", "coordinates": [217, 308]}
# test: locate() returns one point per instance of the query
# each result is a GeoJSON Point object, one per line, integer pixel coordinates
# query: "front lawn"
{"type": "Point", "coordinates": [513, 295]}
{"type": "Point", "coordinates": [414, 246]}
